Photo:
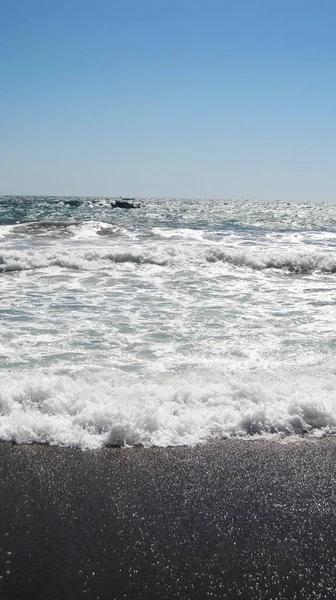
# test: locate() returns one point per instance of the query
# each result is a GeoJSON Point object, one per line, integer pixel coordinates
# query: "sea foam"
{"type": "Point", "coordinates": [119, 409]}
{"type": "Point", "coordinates": [175, 257]}
{"type": "Point", "coordinates": [182, 322]}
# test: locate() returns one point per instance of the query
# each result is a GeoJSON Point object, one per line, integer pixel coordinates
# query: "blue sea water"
{"type": "Point", "coordinates": [179, 322]}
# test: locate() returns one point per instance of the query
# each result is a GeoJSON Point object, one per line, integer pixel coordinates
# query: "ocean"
{"type": "Point", "coordinates": [174, 324]}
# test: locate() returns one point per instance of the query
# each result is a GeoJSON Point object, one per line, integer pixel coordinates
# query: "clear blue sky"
{"type": "Point", "coordinates": [182, 98]}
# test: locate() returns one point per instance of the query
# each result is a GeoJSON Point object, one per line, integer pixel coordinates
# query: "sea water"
{"type": "Point", "coordinates": [179, 322]}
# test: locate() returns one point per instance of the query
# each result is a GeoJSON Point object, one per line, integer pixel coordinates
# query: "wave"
{"type": "Point", "coordinates": [136, 258]}
{"type": "Point", "coordinates": [174, 257]}
{"type": "Point", "coordinates": [302, 263]}
{"type": "Point", "coordinates": [74, 260]}
{"type": "Point", "coordinates": [58, 228]}
{"type": "Point", "coordinates": [113, 409]}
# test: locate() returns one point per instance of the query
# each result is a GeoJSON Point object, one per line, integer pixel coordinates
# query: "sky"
{"type": "Point", "coordinates": [168, 98]}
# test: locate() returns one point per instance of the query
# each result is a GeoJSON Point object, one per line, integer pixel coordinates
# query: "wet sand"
{"type": "Point", "coordinates": [236, 519]}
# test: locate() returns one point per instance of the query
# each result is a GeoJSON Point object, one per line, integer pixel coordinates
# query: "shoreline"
{"type": "Point", "coordinates": [252, 519]}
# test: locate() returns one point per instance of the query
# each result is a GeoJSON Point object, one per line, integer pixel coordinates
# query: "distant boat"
{"type": "Point", "coordinates": [124, 203]}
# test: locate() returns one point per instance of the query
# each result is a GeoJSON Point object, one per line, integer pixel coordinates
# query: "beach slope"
{"type": "Point", "coordinates": [235, 519]}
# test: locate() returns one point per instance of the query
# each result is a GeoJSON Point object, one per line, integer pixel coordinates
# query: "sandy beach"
{"type": "Point", "coordinates": [236, 519]}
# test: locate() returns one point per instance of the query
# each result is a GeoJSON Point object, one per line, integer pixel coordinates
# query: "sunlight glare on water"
{"type": "Point", "coordinates": [180, 322]}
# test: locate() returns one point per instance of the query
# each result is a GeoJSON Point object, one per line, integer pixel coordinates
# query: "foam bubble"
{"type": "Point", "coordinates": [119, 409]}
{"type": "Point", "coordinates": [294, 262]}
{"type": "Point", "coordinates": [176, 257]}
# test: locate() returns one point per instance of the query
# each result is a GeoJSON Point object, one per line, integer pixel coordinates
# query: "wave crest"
{"type": "Point", "coordinates": [302, 263]}
{"type": "Point", "coordinates": [174, 257]}
{"type": "Point", "coordinates": [116, 409]}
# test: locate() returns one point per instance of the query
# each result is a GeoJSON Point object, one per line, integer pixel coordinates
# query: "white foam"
{"type": "Point", "coordinates": [293, 262]}
{"type": "Point", "coordinates": [115, 335]}
{"type": "Point", "coordinates": [176, 256]}
{"type": "Point", "coordinates": [104, 408]}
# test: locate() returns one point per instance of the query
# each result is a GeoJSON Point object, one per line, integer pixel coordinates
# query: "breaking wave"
{"type": "Point", "coordinates": [53, 228]}
{"type": "Point", "coordinates": [122, 410]}
{"type": "Point", "coordinates": [80, 260]}
{"type": "Point", "coordinates": [303, 263]}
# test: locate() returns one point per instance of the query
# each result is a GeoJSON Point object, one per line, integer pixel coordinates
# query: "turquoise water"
{"type": "Point", "coordinates": [179, 322]}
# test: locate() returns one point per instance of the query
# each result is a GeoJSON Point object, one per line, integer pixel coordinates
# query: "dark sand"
{"type": "Point", "coordinates": [237, 519]}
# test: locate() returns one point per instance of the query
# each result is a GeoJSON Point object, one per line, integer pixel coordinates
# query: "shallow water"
{"type": "Point", "coordinates": [179, 322]}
